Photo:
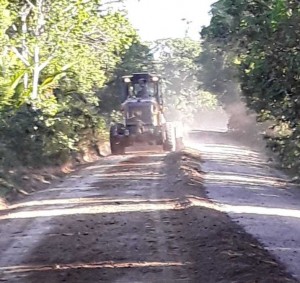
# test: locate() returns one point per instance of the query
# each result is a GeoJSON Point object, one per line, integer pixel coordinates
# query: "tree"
{"type": "Point", "coordinates": [56, 34]}
{"type": "Point", "coordinates": [261, 38]}
{"type": "Point", "coordinates": [58, 54]}
{"type": "Point", "coordinates": [176, 62]}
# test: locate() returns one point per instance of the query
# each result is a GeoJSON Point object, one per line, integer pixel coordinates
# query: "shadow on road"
{"type": "Point", "coordinates": [141, 220]}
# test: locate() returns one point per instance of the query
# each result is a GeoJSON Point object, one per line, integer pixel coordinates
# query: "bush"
{"type": "Point", "coordinates": [34, 137]}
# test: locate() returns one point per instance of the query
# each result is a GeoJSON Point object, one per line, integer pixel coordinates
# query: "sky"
{"type": "Point", "coordinates": [155, 19]}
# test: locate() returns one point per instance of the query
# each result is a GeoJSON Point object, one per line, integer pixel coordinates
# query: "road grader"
{"type": "Point", "coordinates": [144, 121]}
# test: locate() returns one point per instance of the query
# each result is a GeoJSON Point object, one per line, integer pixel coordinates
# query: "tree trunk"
{"type": "Point", "coordinates": [24, 14]}
{"type": "Point", "coordinates": [38, 31]}
{"type": "Point", "coordinates": [36, 73]}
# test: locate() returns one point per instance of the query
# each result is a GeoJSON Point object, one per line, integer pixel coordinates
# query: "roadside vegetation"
{"type": "Point", "coordinates": [59, 66]}
{"type": "Point", "coordinates": [60, 69]}
{"type": "Point", "coordinates": [177, 63]}
{"type": "Point", "coordinates": [256, 44]}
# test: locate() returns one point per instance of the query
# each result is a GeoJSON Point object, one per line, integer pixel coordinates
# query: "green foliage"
{"type": "Point", "coordinates": [261, 38]}
{"type": "Point", "coordinates": [176, 63]}
{"type": "Point", "coordinates": [55, 58]}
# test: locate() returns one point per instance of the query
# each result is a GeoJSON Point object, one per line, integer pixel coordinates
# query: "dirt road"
{"type": "Point", "coordinates": [133, 218]}
{"type": "Point", "coordinates": [240, 178]}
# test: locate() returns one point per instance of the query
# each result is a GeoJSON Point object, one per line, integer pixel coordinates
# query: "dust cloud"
{"type": "Point", "coordinates": [231, 118]}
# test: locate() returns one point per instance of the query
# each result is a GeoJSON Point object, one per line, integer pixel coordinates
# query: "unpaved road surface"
{"type": "Point", "coordinates": [244, 183]}
{"type": "Point", "coordinates": [140, 217]}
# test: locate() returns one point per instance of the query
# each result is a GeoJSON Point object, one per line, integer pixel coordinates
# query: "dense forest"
{"type": "Point", "coordinates": [59, 67]}
{"type": "Point", "coordinates": [256, 43]}
{"type": "Point", "coordinates": [55, 56]}
{"type": "Point", "coordinates": [61, 63]}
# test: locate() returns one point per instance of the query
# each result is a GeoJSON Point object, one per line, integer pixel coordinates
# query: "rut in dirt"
{"type": "Point", "coordinates": [135, 218]}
